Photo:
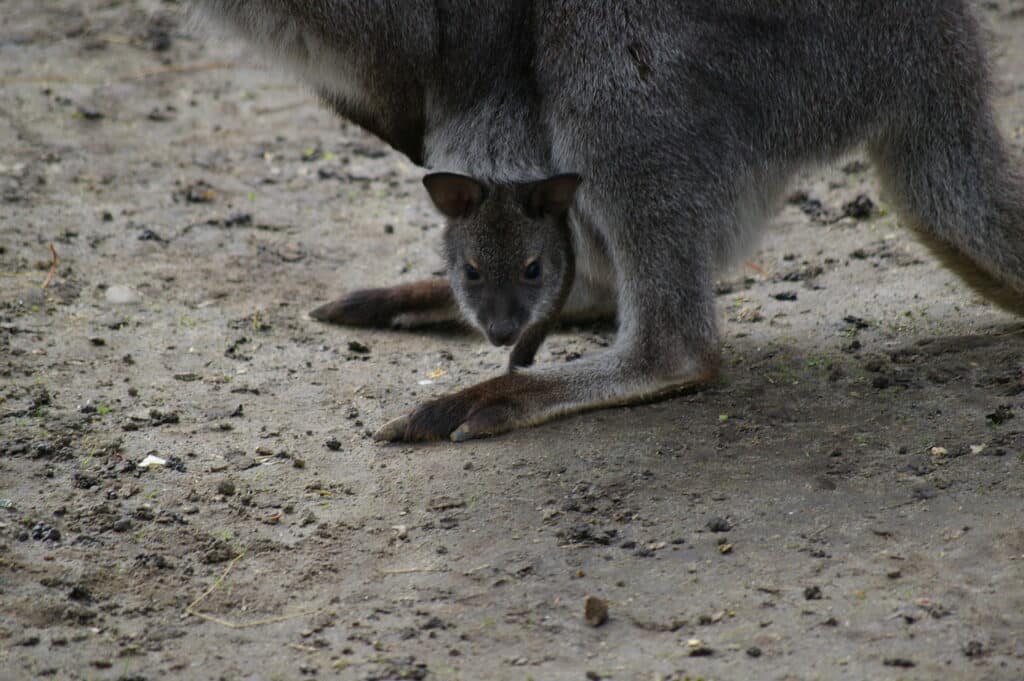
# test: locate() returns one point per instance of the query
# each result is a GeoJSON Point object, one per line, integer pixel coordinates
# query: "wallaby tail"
{"type": "Point", "coordinates": [954, 182]}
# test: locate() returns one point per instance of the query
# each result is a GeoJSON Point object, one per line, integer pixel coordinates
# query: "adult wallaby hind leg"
{"type": "Point", "coordinates": [428, 301]}
{"type": "Point", "coordinates": [950, 176]}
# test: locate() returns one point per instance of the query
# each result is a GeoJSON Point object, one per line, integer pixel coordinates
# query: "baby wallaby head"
{"type": "Point", "coordinates": [508, 249]}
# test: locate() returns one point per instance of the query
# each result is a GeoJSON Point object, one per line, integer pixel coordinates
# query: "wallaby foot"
{"type": "Point", "coordinates": [527, 398]}
{"type": "Point", "coordinates": [428, 301]}
{"type": "Point", "coordinates": [487, 408]}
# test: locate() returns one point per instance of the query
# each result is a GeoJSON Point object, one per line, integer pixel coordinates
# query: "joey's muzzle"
{"type": "Point", "coordinates": [503, 333]}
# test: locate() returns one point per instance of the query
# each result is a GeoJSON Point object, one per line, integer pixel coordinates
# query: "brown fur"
{"type": "Point", "coordinates": [381, 307]}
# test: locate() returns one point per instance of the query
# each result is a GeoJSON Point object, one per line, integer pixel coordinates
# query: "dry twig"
{"type": "Point", "coordinates": [412, 570]}
{"type": "Point", "coordinates": [191, 609]}
{"type": "Point", "coordinates": [53, 266]}
{"type": "Point", "coordinates": [757, 268]}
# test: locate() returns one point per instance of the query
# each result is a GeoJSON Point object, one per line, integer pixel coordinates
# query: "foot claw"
{"type": "Point", "coordinates": [324, 313]}
{"type": "Point", "coordinates": [462, 433]}
{"type": "Point", "coordinates": [393, 430]}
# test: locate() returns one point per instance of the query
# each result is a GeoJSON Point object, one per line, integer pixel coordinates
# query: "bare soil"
{"type": "Point", "coordinates": [845, 502]}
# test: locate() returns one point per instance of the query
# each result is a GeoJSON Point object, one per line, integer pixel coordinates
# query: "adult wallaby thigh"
{"type": "Point", "coordinates": [685, 121]}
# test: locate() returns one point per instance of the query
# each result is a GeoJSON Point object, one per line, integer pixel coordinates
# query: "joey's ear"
{"type": "Point", "coordinates": [554, 196]}
{"type": "Point", "coordinates": [456, 196]}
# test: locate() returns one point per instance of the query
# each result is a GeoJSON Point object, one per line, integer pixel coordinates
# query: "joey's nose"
{"type": "Point", "coordinates": [502, 333]}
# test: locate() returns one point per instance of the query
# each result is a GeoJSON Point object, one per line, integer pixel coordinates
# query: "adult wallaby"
{"type": "Point", "coordinates": [685, 120]}
{"type": "Point", "coordinates": [510, 260]}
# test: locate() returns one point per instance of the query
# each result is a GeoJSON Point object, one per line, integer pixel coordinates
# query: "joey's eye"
{"type": "Point", "coordinates": [532, 270]}
{"type": "Point", "coordinates": [472, 274]}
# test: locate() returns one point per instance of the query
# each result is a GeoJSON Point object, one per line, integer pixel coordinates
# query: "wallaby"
{"type": "Point", "coordinates": [510, 262]}
{"type": "Point", "coordinates": [686, 120]}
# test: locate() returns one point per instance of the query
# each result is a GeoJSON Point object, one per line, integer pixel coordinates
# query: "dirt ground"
{"type": "Point", "coordinates": [845, 502]}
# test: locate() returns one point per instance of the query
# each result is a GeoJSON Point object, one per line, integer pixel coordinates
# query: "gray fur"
{"type": "Point", "coordinates": [685, 120]}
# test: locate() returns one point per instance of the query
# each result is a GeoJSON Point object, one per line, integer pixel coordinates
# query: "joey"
{"type": "Point", "coordinates": [510, 262]}
{"type": "Point", "coordinates": [509, 255]}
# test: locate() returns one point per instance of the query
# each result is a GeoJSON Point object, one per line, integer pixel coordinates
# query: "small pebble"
{"type": "Point", "coordinates": [924, 492]}
{"type": "Point", "coordinates": [719, 524]}
{"type": "Point", "coordinates": [697, 648]}
{"type": "Point", "coordinates": [42, 532]}
{"type": "Point", "coordinates": [812, 593]}
{"type": "Point", "coordinates": [145, 512]}
{"type": "Point", "coordinates": [121, 295]}
{"type": "Point", "coordinates": [79, 593]}
{"type": "Point", "coordinates": [1002, 414]}
{"type": "Point", "coordinates": [974, 649]}
{"type": "Point", "coordinates": [359, 348]}
{"type": "Point", "coordinates": [595, 611]}
{"type": "Point", "coordinates": [860, 208]}
{"type": "Point", "coordinates": [901, 662]}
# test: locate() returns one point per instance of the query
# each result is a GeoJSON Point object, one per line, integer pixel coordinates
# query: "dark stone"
{"type": "Point", "coordinates": [358, 348]}
{"type": "Point", "coordinates": [718, 524]}
{"type": "Point", "coordinates": [80, 593]}
{"type": "Point", "coordinates": [813, 593]}
{"type": "Point", "coordinates": [974, 649]}
{"type": "Point", "coordinates": [43, 532]}
{"type": "Point", "coordinates": [861, 208]}
{"type": "Point", "coordinates": [901, 662]}
{"type": "Point", "coordinates": [1002, 414]}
